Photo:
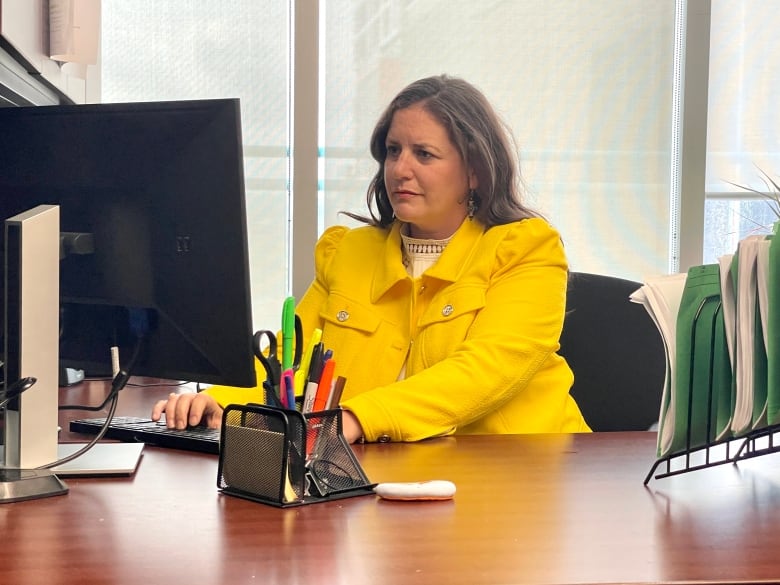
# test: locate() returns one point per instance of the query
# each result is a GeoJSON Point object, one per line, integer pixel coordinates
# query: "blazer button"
{"type": "Point", "coordinates": [383, 439]}
{"type": "Point", "coordinates": [447, 310]}
{"type": "Point", "coordinates": [342, 316]}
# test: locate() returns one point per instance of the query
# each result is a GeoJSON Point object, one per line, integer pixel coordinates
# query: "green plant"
{"type": "Point", "coordinates": [771, 194]}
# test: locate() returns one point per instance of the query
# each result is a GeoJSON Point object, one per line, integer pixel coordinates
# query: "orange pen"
{"type": "Point", "coordinates": [323, 388]}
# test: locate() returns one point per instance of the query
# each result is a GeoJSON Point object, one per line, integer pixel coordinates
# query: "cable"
{"type": "Point", "coordinates": [125, 376]}
{"type": "Point", "coordinates": [119, 382]}
{"type": "Point", "coordinates": [16, 389]}
{"type": "Point", "coordinates": [95, 439]}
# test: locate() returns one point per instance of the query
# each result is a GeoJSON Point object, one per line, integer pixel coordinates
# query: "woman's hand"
{"type": "Point", "coordinates": [183, 410]}
{"type": "Point", "coordinates": [351, 426]}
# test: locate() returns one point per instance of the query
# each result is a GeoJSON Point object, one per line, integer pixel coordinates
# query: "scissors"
{"type": "Point", "coordinates": [279, 390]}
{"type": "Point", "coordinates": [271, 364]}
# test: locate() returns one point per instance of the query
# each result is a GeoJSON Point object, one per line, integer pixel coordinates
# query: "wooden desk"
{"type": "Point", "coordinates": [529, 509]}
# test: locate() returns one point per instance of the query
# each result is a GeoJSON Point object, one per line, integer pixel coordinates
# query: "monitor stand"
{"type": "Point", "coordinates": [102, 459]}
{"type": "Point", "coordinates": [31, 350]}
{"type": "Point", "coordinates": [32, 262]}
{"type": "Point", "coordinates": [29, 484]}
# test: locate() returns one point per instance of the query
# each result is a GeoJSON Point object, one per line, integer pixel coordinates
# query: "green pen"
{"type": "Point", "coordinates": [288, 332]}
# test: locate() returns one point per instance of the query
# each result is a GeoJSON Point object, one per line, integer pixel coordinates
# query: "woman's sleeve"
{"type": "Point", "coordinates": [310, 305]}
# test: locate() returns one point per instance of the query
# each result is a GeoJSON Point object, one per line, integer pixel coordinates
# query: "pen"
{"type": "Point", "coordinates": [302, 372]}
{"type": "Point", "coordinates": [323, 387]}
{"type": "Point", "coordinates": [312, 380]}
{"type": "Point", "coordinates": [288, 332]}
{"type": "Point", "coordinates": [335, 395]}
{"type": "Point", "coordinates": [289, 388]}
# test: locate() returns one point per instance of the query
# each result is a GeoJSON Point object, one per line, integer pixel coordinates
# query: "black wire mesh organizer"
{"type": "Point", "coordinates": [699, 454]}
{"type": "Point", "coordinates": [284, 458]}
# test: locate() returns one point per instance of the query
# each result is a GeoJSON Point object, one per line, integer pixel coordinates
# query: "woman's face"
{"type": "Point", "coordinates": [426, 179]}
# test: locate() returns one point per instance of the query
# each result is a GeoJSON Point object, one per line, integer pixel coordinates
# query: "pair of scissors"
{"type": "Point", "coordinates": [271, 364]}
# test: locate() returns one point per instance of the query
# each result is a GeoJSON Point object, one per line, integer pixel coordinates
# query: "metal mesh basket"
{"type": "Point", "coordinates": [280, 457]}
{"type": "Point", "coordinates": [331, 464]}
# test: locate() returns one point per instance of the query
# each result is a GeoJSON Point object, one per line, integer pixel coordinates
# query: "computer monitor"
{"type": "Point", "coordinates": [153, 231]}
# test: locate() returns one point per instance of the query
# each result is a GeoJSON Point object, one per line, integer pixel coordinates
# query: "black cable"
{"type": "Point", "coordinates": [95, 439]}
{"type": "Point", "coordinates": [16, 389]}
{"type": "Point", "coordinates": [160, 384]}
{"type": "Point", "coordinates": [108, 398]}
{"type": "Point", "coordinates": [119, 382]}
{"type": "Point", "coordinates": [164, 383]}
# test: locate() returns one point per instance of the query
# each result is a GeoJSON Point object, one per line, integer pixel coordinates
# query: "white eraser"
{"type": "Point", "coordinates": [437, 489]}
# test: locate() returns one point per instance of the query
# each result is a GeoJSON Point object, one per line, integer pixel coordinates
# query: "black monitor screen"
{"type": "Point", "coordinates": [153, 231]}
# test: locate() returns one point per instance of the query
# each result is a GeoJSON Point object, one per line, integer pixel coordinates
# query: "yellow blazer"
{"type": "Point", "coordinates": [480, 329]}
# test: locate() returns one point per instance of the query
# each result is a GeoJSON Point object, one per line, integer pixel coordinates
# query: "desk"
{"type": "Point", "coordinates": [529, 509]}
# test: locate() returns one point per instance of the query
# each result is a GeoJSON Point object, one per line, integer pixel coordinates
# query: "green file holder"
{"type": "Point", "coordinates": [284, 458]}
{"type": "Point", "coordinates": [704, 377]}
{"type": "Point", "coordinates": [705, 398]}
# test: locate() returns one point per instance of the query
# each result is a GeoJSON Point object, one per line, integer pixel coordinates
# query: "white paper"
{"type": "Point", "coordinates": [661, 297]}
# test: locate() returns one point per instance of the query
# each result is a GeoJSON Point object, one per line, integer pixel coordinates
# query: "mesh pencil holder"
{"type": "Point", "coordinates": [284, 458]}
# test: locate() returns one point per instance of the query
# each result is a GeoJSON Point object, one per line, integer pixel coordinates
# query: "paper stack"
{"type": "Point", "coordinates": [721, 334]}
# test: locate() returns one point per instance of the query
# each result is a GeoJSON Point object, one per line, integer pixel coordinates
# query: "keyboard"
{"type": "Point", "coordinates": [130, 429]}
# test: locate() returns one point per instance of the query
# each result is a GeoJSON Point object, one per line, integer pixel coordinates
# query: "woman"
{"type": "Point", "coordinates": [444, 311]}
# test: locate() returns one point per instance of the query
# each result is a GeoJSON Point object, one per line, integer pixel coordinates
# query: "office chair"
{"type": "Point", "coordinates": [615, 351]}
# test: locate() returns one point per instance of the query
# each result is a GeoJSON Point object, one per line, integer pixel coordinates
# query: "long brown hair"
{"type": "Point", "coordinates": [483, 140]}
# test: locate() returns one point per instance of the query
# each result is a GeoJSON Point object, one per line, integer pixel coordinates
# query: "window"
{"type": "Point", "coordinates": [181, 49]}
{"type": "Point", "coordinates": [742, 136]}
{"type": "Point", "coordinates": [585, 86]}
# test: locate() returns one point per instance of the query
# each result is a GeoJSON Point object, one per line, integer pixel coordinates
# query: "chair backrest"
{"type": "Point", "coordinates": [615, 351]}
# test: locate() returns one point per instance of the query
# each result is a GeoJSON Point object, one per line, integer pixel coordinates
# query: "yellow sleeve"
{"type": "Point", "coordinates": [310, 305]}
{"type": "Point", "coordinates": [225, 395]}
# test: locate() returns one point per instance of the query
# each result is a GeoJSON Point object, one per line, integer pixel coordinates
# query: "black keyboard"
{"type": "Point", "coordinates": [132, 429]}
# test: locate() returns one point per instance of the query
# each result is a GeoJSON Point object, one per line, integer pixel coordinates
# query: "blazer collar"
{"type": "Point", "coordinates": [455, 257]}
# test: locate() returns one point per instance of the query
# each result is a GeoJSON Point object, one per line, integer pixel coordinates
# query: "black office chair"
{"type": "Point", "coordinates": [615, 351]}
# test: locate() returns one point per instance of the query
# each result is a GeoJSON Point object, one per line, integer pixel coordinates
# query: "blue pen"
{"type": "Point", "coordinates": [289, 388]}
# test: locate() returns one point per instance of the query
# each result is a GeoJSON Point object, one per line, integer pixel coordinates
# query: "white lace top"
{"type": "Point", "coordinates": [419, 255]}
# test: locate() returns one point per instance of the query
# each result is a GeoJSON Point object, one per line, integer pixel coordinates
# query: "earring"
{"type": "Point", "coordinates": [473, 203]}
